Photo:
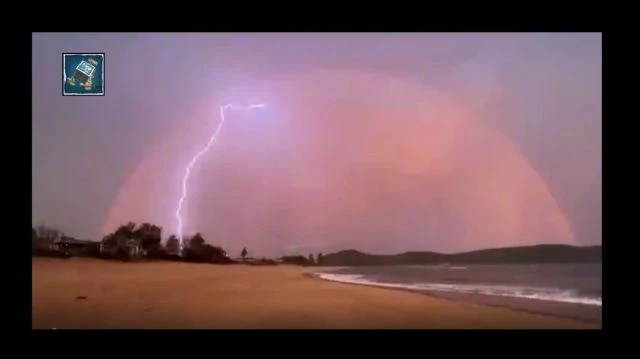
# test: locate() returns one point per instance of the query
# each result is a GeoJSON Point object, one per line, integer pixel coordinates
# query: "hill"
{"type": "Point", "coordinates": [546, 253]}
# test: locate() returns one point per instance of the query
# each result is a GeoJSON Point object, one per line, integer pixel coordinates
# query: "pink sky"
{"type": "Point", "coordinates": [345, 159]}
{"type": "Point", "coordinates": [379, 142]}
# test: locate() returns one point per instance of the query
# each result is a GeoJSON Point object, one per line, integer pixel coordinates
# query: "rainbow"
{"type": "Point", "coordinates": [496, 195]}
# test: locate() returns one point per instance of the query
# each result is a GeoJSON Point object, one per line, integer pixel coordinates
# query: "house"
{"type": "Point", "coordinates": [122, 247]}
{"type": "Point", "coordinates": [68, 246]}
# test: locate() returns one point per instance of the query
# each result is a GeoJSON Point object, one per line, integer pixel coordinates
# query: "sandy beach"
{"type": "Point", "coordinates": [95, 294]}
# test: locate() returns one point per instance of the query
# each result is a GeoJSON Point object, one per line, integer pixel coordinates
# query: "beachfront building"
{"type": "Point", "coordinates": [117, 247]}
{"type": "Point", "coordinates": [68, 246]}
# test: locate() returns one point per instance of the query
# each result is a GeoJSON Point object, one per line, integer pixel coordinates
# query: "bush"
{"type": "Point", "coordinates": [122, 254]}
{"type": "Point", "coordinates": [263, 262]}
{"type": "Point", "coordinates": [297, 260]}
{"type": "Point", "coordinates": [206, 253]}
{"type": "Point", "coordinates": [156, 252]}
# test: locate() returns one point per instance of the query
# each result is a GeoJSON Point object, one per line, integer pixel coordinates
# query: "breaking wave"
{"type": "Point", "coordinates": [540, 293]}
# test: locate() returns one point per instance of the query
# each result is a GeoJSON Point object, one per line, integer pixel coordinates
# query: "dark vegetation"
{"type": "Point", "coordinates": [132, 242]}
{"type": "Point", "coordinates": [546, 253]}
{"type": "Point", "coordinates": [198, 251]}
{"type": "Point", "coordinates": [297, 260]}
{"type": "Point", "coordinates": [127, 242]}
{"type": "Point", "coordinates": [50, 242]}
{"type": "Point", "coordinates": [144, 242]}
{"type": "Point", "coordinates": [263, 262]}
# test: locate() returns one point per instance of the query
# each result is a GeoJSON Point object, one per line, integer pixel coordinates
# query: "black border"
{"type": "Point", "coordinates": [104, 72]}
{"type": "Point", "coordinates": [328, 342]}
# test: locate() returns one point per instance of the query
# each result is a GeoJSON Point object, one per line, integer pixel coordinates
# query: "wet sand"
{"type": "Point", "coordinates": [91, 293]}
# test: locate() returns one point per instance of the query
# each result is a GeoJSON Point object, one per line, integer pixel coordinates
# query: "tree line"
{"type": "Point", "coordinates": [144, 241]}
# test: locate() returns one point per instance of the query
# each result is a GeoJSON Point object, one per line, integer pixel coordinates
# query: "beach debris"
{"type": "Point", "coordinates": [81, 297]}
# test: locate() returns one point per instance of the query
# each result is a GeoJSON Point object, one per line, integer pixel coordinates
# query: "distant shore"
{"type": "Point", "coordinates": [92, 293]}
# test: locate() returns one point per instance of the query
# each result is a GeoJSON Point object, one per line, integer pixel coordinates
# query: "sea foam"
{"type": "Point", "coordinates": [539, 293]}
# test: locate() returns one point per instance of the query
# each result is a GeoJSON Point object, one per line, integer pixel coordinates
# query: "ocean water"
{"type": "Point", "coordinates": [565, 290]}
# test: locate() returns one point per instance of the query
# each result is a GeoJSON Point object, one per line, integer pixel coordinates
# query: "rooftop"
{"type": "Point", "coordinates": [69, 240]}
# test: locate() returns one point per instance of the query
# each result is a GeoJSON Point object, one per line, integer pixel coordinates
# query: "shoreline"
{"type": "Point", "coordinates": [81, 293]}
{"type": "Point", "coordinates": [587, 314]}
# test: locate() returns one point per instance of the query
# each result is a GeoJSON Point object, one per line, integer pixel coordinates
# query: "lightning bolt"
{"type": "Point", "coordinates": [194, 160]}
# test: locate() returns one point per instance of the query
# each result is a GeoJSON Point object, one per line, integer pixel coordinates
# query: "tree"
{"type": "Point", "coordinates": [126, 231]}
{"type": "Point", "coordinates": [42, 231]}
{"type": "Point", "coordinates": [34, 240]}
{"type": "Point", "coordinates": [110, 240]}
{"type": "Point", "coordinates": [206, 253]}
{"type": "Point", "coordinates": [173, 244]}
{"type": "Point", "coordinates": [196, 241]}
{"type": "Point", "coordinates": [298, 260]}
{"type": "Point", "coordinates": [319, 258]}
{"type": "Point", "coordinates": [150, 235]}
{"type": "Point", "coordinates": [243, 254]}
{"type": "Point", "coordinates": [128, 240]}
{"type": "Point", "coordinates": [310, 259]}
{"type": "Point", "coordinates": [47, 234]}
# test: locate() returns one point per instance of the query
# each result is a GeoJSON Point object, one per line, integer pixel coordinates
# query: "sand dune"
{"type": "Point", "coordinates": [90, 293]}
